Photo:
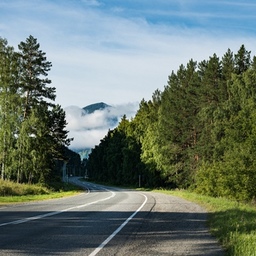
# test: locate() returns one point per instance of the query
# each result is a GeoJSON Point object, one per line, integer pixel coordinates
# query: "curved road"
{"type": "Point", "coordinates": [106, 221]}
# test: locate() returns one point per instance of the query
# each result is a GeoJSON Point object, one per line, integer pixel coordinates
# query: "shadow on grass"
{"type": "Point", "coordinates": [236, 230]}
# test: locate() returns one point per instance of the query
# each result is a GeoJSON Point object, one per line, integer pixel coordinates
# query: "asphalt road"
{"type": "Point", "coordinates": [106, 221]}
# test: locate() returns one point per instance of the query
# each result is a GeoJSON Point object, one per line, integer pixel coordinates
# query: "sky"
{"type": "Point", "coordinates": [121, 51]}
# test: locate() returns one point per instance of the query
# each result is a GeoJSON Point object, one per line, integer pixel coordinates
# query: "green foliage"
{"type": "Point", "coordinates": [32, 127]}
{"type": "Point", "coordinates": [198, 133]}
{"type": "Point", "coordinates": [117, 158]}
{"type": "Point", "coordinates": [178, 125]}
{"type": "Point", "coordinates": [9, 106]}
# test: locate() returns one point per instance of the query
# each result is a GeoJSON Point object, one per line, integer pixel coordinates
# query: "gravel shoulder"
{"type": "Point", "coordinates": [174, 226]}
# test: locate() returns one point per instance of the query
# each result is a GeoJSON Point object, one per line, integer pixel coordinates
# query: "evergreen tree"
{"type": "Point", "coordinates": [233, 174]}
{"type": "Point", "coordinates": [130, 153]}
{"type": "Point", "coordinates": [199, 132]}
{"type": "Point", "coordinates": [98, 166]}
{"type": "Point", "coordinates": [56, 121]}
{"type": "Point", "coordinates": [150, 140]}
{"type": "Point", "coordinates": [228, 65]}
{"type": "Point", "coordinates": [231, 171]}
{"type": "Point", "coordinates": [242, 60]}
{"type": "Point", "coordinates": [213, 91]}
{"type": "Point", "coordinates": [32, 127]}
{"type": "Point", "coordinates": [178, 126]}
{"type": "Point", "coordinates": [34, 71]}
{"type": "Point", "coordinates": [36, 101]}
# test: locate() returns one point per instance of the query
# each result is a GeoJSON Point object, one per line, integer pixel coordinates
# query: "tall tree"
{"type": "Point", "coordinates": [9, 106]}
{"type": "Point", "coordinates": [242, 60]}
{"type": "Point", "coordinates": [34, 81]}
{"type": "Point", "coordinates": [178, 125]}
{"type": "Point", "coordinates": [32, 127]}
{"type": "Point", "coordinates": [42, 132]}
{"type": "Point", "coordinates": [149, 118]}
{"type": "Point", "coordinates": [36, 97]}
{"type": "Point", "coordinates": [213, 92]}
{"type": "Point", "coordinates": [231, 171]}
{"type": "Point", "coordinates": [58, 135]}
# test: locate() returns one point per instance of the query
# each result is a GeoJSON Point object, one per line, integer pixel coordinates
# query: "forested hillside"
{"type": "Point", "coordinates": [33, 137]}
{"type": "Point", "coordinates": [198, 133]}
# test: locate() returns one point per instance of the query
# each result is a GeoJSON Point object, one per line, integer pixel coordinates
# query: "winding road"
{"type": "Point", "coordinates": [106, 221]}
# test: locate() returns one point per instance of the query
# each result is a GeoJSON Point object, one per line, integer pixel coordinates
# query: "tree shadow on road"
{"type": "Point", "coordinates": [80, 232]}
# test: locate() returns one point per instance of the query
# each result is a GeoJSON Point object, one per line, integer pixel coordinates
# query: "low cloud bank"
{"type": "Point", "coordinates": [88, 129]}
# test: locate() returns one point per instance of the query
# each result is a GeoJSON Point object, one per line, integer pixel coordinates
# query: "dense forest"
{"type": "Point", "coordinates": [198, 133]}
{"type": "Point", "coordinates": [33, 135]}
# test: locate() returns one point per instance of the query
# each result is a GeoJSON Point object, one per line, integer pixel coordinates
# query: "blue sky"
{"type": "Point", "coordinates": [121, 51]}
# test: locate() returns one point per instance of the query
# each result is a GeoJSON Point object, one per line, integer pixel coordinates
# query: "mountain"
{"type": "Point", "coordinates": [96, 106]}
{"type": "Point", "coordinates": [88, 125]}
{"type": "Point", "coordinates": [110, 118]}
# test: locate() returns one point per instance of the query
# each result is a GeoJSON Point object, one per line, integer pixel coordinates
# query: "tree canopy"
{"type": "Point", "coordinates": [198, 133]}
{"type": "Point", "coordinates": [32, 127]}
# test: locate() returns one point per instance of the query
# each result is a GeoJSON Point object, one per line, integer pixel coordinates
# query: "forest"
{"type": "Point", "coordinates": [199, 133]}
{"type": "Point", "coordinates": [33, 135]}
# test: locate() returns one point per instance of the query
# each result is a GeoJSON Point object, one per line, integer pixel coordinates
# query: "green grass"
{"type": "Point", "coordinates": [11, 192]}
{"type": "Point", "coordinates": [231, 222]}
{"type": "Point", "coordinates": [28, 198]}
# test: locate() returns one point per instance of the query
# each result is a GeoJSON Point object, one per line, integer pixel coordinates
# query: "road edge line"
{"type": "Point", "coordinates": [104, 243]}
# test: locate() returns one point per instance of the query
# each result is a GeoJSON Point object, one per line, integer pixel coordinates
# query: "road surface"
{"type": "Point", "coordinates": [106, 221]}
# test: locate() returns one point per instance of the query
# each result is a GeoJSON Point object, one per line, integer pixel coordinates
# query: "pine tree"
{"type": "Point", "coordinates": [178, 126]}
{"type": "Point", "coordinates": [36, 97]}
{"type": "Point", "coordinates": [149, 118]}
{"type": "Point", "coordinates": [34, 69]}
{"type": "Point", "coordinates": [242, 60]}
{"type": "Point", "coordinates": [231, 171]}
{"type": "Point", "coordinates": [42, 132]}
{"type": "Point", "coordinates": [213, 92]}
{"type": "Point", "coordinates": [228, 65]}
{"type": "Point", "coordinates": [58, 135]}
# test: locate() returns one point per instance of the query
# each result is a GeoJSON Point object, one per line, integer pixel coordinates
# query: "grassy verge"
{"type": "Point", "coordinates": [21, 199]}
{"type": "Point", "coordinates": [231, 222]}
{"type": "Point", "coordinates": [11, 192]}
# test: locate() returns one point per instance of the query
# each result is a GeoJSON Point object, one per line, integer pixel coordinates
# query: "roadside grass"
{"type": "Point", "coordinates": [232, 223]}
{"type": "Point", "coordinates": [11, 192]}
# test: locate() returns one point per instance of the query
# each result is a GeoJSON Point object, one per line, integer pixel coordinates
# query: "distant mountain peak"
{"type": "Point", "coordinates": [96, 106]}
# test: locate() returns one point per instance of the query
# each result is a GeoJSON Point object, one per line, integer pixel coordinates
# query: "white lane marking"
{"type": "Point", "coordinates": [57, 212]}
{"type": "Point", "coordinates": [118, 229]}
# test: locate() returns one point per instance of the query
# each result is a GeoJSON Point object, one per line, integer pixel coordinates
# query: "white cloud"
{"type": "Point", "coordinates": [99, 55]}
{"type": "Point", "coordinates": [88, 129]}
{"type": "Point", "coordinates": [86, 139]}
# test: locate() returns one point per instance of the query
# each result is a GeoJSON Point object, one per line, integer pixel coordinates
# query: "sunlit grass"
{"type": "Point", "coordinates": [232, 223]}
{"type": "Point", "coordinates": [11, 192]}
{"type": "Point", "coordinates": [28, 198]}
